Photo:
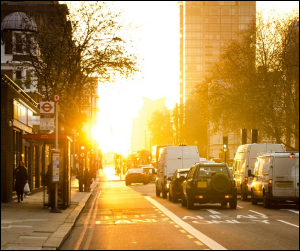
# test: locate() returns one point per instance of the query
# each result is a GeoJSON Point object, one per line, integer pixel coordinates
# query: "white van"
{"type": "Point", "coordinates": [171, 159]}
{"type": "Point", "coordinates": [276, 178]}
{"type": "Point", "coordinates": [244, 160]}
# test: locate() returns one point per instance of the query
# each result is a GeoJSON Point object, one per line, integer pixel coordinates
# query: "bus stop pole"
{"type": "Point", "coordinates": [55, 210]}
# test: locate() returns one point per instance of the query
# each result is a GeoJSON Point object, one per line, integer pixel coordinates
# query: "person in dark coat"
{"type": "Point", "coordinates": [20, 174]}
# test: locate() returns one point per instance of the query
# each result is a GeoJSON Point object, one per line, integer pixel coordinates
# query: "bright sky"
{"type": "Point", "coordinates": [157, 42]}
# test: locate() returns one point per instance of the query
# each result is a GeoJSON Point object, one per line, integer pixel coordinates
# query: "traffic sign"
{"type": "Point", "coordinates": [46, 107]}
{"type": "Point", "coordinates": [56, 97]}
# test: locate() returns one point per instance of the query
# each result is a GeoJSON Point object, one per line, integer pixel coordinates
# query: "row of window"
{"type": "Point", "coordinates": [199, 35]}
{"type": "Point", "coordinates": [198, 43]}
{"type": "Point", "coordinates": [211, 3]}
{"type": "Point", "coordinates": [212, 11]}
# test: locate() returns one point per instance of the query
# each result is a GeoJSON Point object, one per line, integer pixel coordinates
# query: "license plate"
{"type": "Point", "coordinates": [282, 185]}
{"type": "Point", "coordinates": [202, 184]}
{"type": "Point", "coordinates": [135, 175]}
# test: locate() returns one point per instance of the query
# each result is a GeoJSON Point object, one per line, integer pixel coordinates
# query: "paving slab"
{"type": "Point", "coordinates": [28, 225]}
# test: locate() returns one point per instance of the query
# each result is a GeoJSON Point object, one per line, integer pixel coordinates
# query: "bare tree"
{"type": "Point", "coordinates": [255, 83]}
{"type": "Point", "coordinates": [71, 51]}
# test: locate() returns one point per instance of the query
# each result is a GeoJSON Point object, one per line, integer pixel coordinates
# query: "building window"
{"type": "Point", "coordinates": [19, 74]}
{"type": "Point", "coordinates": [18, 43]}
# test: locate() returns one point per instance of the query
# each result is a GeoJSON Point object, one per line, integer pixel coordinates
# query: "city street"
{"type": "Point", "coordinates": [121, 217]}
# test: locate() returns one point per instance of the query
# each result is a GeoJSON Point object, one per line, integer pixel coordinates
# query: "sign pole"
{"type": "Point", "coordinates": [56, 99]}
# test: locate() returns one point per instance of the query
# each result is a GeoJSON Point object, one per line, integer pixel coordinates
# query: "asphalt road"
{"type": "Point", "coordinates": [118, 217]}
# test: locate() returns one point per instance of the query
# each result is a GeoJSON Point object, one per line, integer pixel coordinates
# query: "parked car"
{"type": "Point", "coordinates": [275, 179]}
{"type": "Point", "coordinates": [244, 160]}
{"type": "Point", "coordinates": [149, 171]}
{"type": "Point", "coordinates": [172, 158]}
{"type": "Point", "coordinates": [175, 186]}
{"type": "Point", "coordinates": [135, 175]}
{"type": "Point", "coordinates": [209, 183]}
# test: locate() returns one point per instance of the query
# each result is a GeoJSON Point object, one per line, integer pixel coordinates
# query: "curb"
{"type": "Point", "coordinates": [57, 239]}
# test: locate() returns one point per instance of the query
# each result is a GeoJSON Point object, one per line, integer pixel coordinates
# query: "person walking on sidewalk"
{"type": "Point", "coordinates": [20, 174]}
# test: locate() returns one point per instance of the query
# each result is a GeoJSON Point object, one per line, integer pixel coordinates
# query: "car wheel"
{"type": "Point", "coordinates": [253, 200]}
{"type": "Point", "coordinates": [190, 202]}
{"type": "Point", "coordinates": [157, 192]}
{"type": "Point", "coordinates": [220, 183]}
{"type": "Point", "coordinates": [233, 203]}
{"type": "Point", "coordinates": [183, 200]}
{"type": "Point", "coordinates": [174, 198]}
{"type": "Point", "coordinates": [224, 204]}
{"type": "Point", "coordinates": [243, 194]}
{"type": "Point", "coordinates": [266, 202]}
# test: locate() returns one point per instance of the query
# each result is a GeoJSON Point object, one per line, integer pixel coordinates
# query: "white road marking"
{"type": "Point", "coordinates": [193, 231]}
{"type": "Point", "coordinates": [293, 211]}
{"type": "Point", "coordinates": [213, 211]}
{"type": "Point", "coordinates": [289, 223]}
{"type": "Point", "coordinates": [262, 215]}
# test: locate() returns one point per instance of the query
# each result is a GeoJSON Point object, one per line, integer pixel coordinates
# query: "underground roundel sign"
{"type": "Point", "coordinates": [46, 107]}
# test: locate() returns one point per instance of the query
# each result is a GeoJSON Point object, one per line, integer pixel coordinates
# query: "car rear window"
{"type": "Point", "coordinates": [183, 174]}
{"type": "Point", "coordinates": [135, 170]}
{"type": "Point", "coordinates": [209, 171]}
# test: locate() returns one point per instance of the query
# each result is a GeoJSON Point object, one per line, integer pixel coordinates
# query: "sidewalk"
{"type": "Point", "coordinates": [29, 226]}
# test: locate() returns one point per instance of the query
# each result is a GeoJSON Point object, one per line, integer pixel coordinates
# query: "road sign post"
{"type": "Point", "coordinates": [56, 155]}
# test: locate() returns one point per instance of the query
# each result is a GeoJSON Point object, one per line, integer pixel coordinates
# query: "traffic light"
{"type": "Point", "coordinates": [82, 151]}
{"type": "Point", "coordinates": [225, 143]}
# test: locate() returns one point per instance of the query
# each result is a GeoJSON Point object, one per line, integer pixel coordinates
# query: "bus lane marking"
{"type": "Point", "coordinates": [193, 231]}
{"type": "Point", "coordinates": [216, 215]}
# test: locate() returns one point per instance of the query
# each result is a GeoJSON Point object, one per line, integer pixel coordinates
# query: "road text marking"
{"type": "Point", "coordinates": [193, 231]}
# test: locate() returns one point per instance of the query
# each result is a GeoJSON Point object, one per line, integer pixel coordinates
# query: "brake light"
{"type": "Point", "coordinates": [270, 185]}
{"type": "Point", "coordinates": [291, 156]}
{"type": "Point", "coordinates": [165, 179]}
{"type": "Point", "coordinates": [246, 181]}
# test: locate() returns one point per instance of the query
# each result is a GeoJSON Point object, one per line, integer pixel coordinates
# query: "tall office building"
{"type": "Point", "coordinates": [205, 26]}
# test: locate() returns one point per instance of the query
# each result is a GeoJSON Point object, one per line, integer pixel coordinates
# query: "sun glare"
{"type": "Point", "coordinates": [155, 41]}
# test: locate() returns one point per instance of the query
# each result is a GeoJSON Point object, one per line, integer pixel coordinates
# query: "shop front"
{"type": "Point", "coordinates": [17, 110]}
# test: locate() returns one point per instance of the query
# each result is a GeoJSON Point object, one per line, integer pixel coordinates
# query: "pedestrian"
{"type": "Point", "coordinates": [20, 174]}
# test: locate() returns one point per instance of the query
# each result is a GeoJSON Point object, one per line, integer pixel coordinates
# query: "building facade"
{"type": "Point", "coordinates": [205, 26]}
{"type": "Point", "coordinates": [19, 101]}
{"type": "Point", "coordinates": [141, 137]}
